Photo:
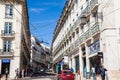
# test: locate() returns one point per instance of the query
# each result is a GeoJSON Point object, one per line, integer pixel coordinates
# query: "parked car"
{"type": "Point", "coordinates": [66, 75]}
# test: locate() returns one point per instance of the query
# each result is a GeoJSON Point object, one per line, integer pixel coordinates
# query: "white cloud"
{"type": "Point", "coordinates": [37, 9]}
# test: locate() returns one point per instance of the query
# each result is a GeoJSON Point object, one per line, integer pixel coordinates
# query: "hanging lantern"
{"type": "Point", "coordinates": [83, 19]}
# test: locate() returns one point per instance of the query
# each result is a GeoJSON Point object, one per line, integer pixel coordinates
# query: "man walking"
{"type": "Point", "coordinates": [93, 73]}
{"type": "Point", "coordinates": [102, 72]}
{"type": "Point", "coordinates": [17, 73]}
{"type": "Point", "coordinates": [6, 72]}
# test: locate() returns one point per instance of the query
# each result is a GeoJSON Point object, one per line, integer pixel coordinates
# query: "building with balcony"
{"type": "Point", "coordinates": [88, 33]}
{"type": "Point", "coordinates": [14, 36]}
{"type": "Point", "coordinates": [40, 54]}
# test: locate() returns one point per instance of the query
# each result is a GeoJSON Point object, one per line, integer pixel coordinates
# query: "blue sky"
{"type": "Point", "coordinates": [43, 17]}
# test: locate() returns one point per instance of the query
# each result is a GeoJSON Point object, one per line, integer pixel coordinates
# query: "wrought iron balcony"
{"type": "Point", "coordinates": [87, 34]}
{"type": "Point", "coordinates": [6, 53]}
{"type": "Point", "coordinates": [94, 5]}
{"type": "Point", "coordinates": [95, 28]}
{"type": "Point", "coordinates": [4, 34]}
{"type": "Point", "coordinates": [81, 38]}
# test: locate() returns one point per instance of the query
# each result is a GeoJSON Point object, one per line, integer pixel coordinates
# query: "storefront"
{"type": "Point", "coordinates": [5, 66]}
{"type": "Point", "coordinates": [58, 68]}
{"type": "Point", "coordinates": [96, 63]}
{"type": "Point", "coordinates": [95, 56]}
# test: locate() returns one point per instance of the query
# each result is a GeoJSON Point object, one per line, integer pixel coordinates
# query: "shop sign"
{"type": "Point", "coordinates": [100, 54]}
{"type": "Point", "coordinates": [65, 59]}
{"type": "Point", "coordinates": [6, 61]}
{"type": "Point", "coordinates": [62, 63]}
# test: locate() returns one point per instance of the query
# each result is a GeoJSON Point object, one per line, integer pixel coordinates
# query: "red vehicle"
{"type": "Point", "coordinates": [66, 75]}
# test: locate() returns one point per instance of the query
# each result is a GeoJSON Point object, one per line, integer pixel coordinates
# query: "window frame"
{"type": "Point", "coordinates": [8, 11]}
{"type": "Point", "coordinates": [7, 46]}
{"type": "Point", "coordinates": [8, 28]}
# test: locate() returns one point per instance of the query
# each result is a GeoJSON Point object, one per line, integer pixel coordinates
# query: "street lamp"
{"type": "Point", "coordinates": [83, 19]}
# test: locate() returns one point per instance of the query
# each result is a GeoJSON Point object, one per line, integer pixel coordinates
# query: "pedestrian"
{"type": "Point", "coordinates": [102, 72]}
{"type": "Point", "coordinates": [16, 73]}
{"type": "Point", "coordinates": [71, 69]}
{"type": "Point", "coordinates": [79, 74]}
{"type": "Point", "coordinates": [25, 72]}
{"type": "Point", "coordinates": [22, 73]}
{"type": "Point", "coordinates": [93, 73]}
{"type": "Point", "coordinates": [6, 72]}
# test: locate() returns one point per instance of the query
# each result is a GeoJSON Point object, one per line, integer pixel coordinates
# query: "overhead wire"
{"type": "Point", "coordinates": [72, 12]}
{"type": "Point", "coordinates": [55, 21]}
{"type": "Point", "coordinates": [22, 22]}
{"type": "Point", "coordinates": [34, 27]}
{"type": "Point", "coordinates": [23, 16]}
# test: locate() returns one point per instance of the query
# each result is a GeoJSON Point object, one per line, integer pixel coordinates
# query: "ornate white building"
{"type": "Point", "coordinates": [40, 54]}
{"type": "Point", "coordinates": [88, 32]}
{"type": "Point", "coordinates": [14, 36]}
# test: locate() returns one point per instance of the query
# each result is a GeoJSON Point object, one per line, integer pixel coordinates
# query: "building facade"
{"type": "Point", "coordinates": [40, 54]}
{"type": "Point", "coordinates": [14, 37]}
{"type": "Point", "coordinates": [88, 33]}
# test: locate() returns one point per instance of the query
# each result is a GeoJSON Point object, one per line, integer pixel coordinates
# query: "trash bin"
{"type": "Point", "coordinates": [87, 75]}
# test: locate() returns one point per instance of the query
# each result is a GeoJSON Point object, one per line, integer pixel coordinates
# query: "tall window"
{"type": "Point", "coordinates": [9, 11]}
{"type": "Point", "coordinates": [8, 28]}
{"type": "Point", "coordinates": [7, 46]}
{"type": "Point", "coordinates": [82, 29]}
{"type": "Point", "coordinates": [77, 63]}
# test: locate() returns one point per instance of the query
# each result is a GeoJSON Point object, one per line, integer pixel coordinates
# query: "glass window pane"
{"type": "Point", "coordinates": [8, 28]}
{"type": "Point", "coordinates": [9, 11]}
{"type": "Point", "coordinates": [7, 46]}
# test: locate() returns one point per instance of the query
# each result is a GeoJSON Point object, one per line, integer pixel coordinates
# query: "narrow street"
{"type": "Point", "coordinates": [44, 78]}
{"type": "Point", "coordinates": [41, 78]}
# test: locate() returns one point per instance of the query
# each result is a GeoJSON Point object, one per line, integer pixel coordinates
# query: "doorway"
{"type": "Point", "coordinates": [5, 65]}
{"type": "Point", "coordinates": [96, 63]}
{"type": "Point", "coordinates": [77, 64]}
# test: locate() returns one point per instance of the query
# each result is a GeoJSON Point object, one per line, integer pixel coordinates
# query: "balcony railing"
{"type": "Point", "coordinates": [58, 58]}
{"type": "Point", "coordinates": [91, 31]}
{"type": "Point", "coordinates": [95, 28]}
{"type": "Point", "coordinates": [5, 35]}
{"type": "Point", "coordinates": [7, 53]}
{"type": "Point", "coordinates": [87, 34]}
{"type": "Point", "coordinates": [86, 11]}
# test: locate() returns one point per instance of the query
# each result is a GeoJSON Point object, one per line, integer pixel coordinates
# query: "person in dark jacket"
{"type": "Point", "coordinates": [6, 72]}
{"type": "Point", "coordinates": [102, 72]}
